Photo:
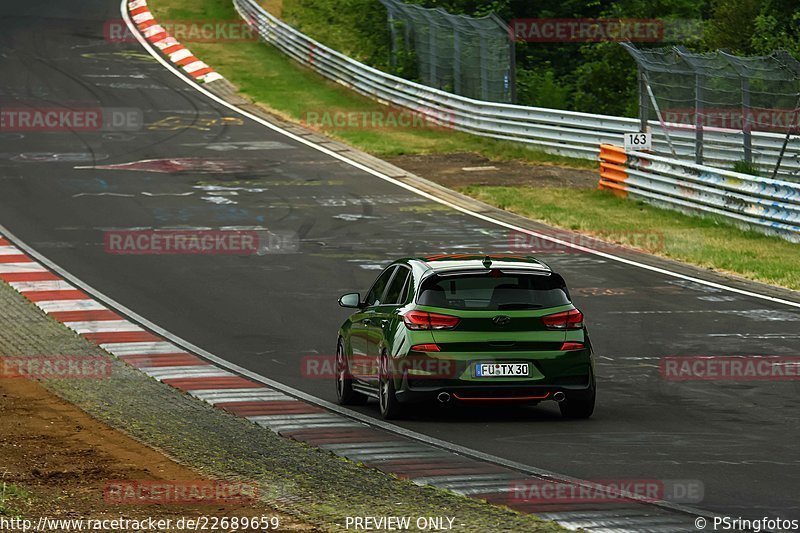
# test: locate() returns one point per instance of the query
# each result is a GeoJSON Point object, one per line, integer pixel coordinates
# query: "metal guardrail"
{"type": "Point", "coordinates": [762, 204]}
{"type": "Point", "coordinates": [564, 132]}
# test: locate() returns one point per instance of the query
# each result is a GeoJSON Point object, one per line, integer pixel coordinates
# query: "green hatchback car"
{"type": "Point", "coordinates": [465, 329]}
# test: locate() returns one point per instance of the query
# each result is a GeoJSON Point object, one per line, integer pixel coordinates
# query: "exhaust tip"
{"type": "Point", "coordinates": [559, 396]}
{"type": "Point", "coordinates": [443, 397]}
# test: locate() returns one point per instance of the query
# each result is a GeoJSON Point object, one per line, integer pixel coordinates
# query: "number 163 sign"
{"type": "Point", "coordinates": [638, 141]}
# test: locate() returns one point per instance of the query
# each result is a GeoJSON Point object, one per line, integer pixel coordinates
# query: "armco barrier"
{"type": "Point", "coordinates": [766, 205]}
{"type": "Point", "coordinates": [565, 132]}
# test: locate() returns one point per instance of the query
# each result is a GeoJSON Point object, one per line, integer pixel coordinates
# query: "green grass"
{"type": "Point", "coordinates": [702, 241]}
{"type": "Point", "coordinates": [10, 497]}
{"type": "Point", "coordinates": [746, 168]}
{"type": "Point", "coordinates": [284, 86]}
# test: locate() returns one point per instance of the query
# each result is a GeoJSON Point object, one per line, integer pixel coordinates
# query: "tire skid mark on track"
{"type": "Point", "coordinates": [290, 417]}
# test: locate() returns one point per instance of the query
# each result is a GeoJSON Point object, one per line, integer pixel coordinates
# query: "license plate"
{"type": "Point", "coordinates": [501, 370]}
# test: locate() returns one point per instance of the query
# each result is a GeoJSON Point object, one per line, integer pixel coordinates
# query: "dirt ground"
{"type": "Point", "coordinates": [460, 170]}
{"type": "Point", "coordinates": [63, 459]}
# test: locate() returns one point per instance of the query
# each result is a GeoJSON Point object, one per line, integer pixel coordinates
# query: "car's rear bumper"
{"type": "Point", "coordinates": [459, 392]}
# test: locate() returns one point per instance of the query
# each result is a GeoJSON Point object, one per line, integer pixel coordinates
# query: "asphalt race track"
{"type": "Point", "coordinates": [266, 312]}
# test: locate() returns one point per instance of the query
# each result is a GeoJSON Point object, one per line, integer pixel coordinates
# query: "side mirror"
{"type": "Point", "coordinates": [352, 299]}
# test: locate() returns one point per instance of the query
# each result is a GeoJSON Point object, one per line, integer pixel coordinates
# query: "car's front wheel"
{"type": "Point", "coordinates": [344, 381]}
{"type": "Point", "coordinates": [387, 398]}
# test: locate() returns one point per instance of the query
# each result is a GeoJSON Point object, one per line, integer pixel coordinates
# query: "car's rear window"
{"type": "Point", "coordinates": [494, 291]}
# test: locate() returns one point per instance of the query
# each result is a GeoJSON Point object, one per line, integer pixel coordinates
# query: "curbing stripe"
{"type": "Point", "coordinates": [84, 315]}
{"type": "Point", "coordinates": [139, 348]}
{"type": "Point", "coordinates": [102, 326]}
{"type": "Point", "coordinates": [56, 306]}
{"type": "Point", "coordinates": [43, 286]}
{"type": "Point", "coordinates": [29, 276]}
{"type": "Point", "coordinates": [169, 46]}
{"type": "Point", "coordinates": [14, 258]}
{"type": "Point", "coordinates": [121, 337]}
{"type": "Point", "coordinates": [20, 268]}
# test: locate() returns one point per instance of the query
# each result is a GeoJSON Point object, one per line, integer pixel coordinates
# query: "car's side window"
{"type": "Point", "coordinates": [375, 294]}
{"type": "Point", "coordinates": [395, 294]}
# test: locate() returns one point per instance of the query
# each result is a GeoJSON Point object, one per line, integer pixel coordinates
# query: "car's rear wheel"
{"type": "Point", "coordinates": [387, 398]}
{"type": "Point", "coordinates": [344, 381]}
{"type": "Point", "coordinates": [579, 405]}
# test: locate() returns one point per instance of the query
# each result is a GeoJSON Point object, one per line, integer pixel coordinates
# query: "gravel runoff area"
{"type": "Point", "coordinates": [314, 487]}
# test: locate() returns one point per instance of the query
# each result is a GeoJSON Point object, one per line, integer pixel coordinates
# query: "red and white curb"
{"type": "Point", "coordinates": [175, 51]}
{"type": "Point", "coordinates": [422, 463]}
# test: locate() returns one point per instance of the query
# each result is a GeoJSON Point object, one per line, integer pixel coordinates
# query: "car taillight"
{"type": "Point", "coordinates": [571, 346]}
{"type": "Point", "coordinates": [425, 348]}
{"type": "Point", "coordinates": [425, 320]}
{"type": "Point", "coordinates": [572, 319]}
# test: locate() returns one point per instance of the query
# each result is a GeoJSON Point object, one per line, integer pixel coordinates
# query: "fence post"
{"type": "Point", "coordinates": [644, 101]}
{"type": "Point", "coordinates": [746, 125]}
{"type": "Point", "coordinates": [698, 119]}
{"type": "Point", "coordinates": [393, 37]}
